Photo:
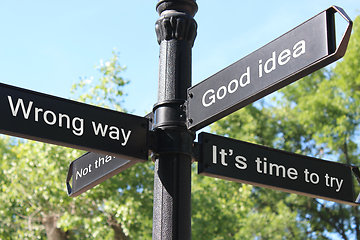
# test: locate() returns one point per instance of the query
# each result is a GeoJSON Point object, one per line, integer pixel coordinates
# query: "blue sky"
{"type": "Point", "coordinates": [46, 45]}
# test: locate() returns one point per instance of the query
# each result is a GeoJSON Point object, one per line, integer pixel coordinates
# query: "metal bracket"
{"type": "Point", "coordinates": [356, 172]}
{"type": "Point", "coordinates": [196, 152]}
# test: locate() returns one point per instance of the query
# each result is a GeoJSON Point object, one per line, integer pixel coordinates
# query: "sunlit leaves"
{"type": "Point", "coordinates": [33, 178]}
{"type": "Point", "coordinates": [317, 116]}
{"type": "Point", "coordinates": [107, 91]}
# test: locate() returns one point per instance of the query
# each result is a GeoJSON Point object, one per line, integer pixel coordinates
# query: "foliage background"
{"type": "Point", "coordinates": [316, 116]}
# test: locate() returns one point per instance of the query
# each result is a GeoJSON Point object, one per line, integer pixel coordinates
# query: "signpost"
{"type": "Point", "coordinates": [299, 52]}
{"type": "Point", "coordinates": [50, 119]}
{"type": "Point", "coordinates": [92, 169]}
{"type": "Point", "coordinates": [248, 163]}
{"type": "Point", "coordinates": [118, 140]}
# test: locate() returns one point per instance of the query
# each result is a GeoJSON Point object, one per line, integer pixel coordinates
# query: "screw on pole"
{"type": "Point", "coordinates": [176, 32]}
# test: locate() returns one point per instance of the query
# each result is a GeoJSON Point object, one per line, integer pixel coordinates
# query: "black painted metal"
{"type": "Point", "coordinates": [92, 169]}
{"type": "Point", "coordinates": [63, 122]}
{"type": "Point", "coordinates": [299, 52]}
{"type": "Point", "coordinates": [176, 32]}
{"type": "Point", "coordinates": [169, 135]}
{"type": "Point", "coordinates": [261, 166]}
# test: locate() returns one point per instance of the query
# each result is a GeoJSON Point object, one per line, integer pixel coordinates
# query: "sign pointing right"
{"type": "Point", "coordinates": [261, 166]}
{"type": "Point", "coordinates": [299, 52]}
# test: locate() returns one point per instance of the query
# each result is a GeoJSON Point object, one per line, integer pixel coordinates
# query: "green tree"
{"type": "Point", "coordinates": [34, 203]}
{"type": "Point", "coordinates": [316, 116]}
{"type": "Point", "coordinates": [227, 210]}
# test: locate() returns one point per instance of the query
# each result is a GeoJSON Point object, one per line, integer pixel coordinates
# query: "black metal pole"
{"type": "Point", "coordinates": [176, 32]}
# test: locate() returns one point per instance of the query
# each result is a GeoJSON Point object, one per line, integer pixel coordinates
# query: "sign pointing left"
{"type": "Point", "coordinates": [92, 169]}
{"type": "Point", "coordinates": [63, 122]}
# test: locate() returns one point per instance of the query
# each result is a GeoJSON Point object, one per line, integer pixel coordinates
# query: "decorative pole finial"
{"type": "Point", "coordinates": [187, 6]}
{"type": "Point", "coordinates": [176, 20]}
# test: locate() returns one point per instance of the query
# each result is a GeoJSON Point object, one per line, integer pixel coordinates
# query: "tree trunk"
{"type": "Point", "coordinates": [357, 224]}
{"type": "Point", "coordinates": [52, 232]}
{"type": "Point", "coordinates": [118, 231]}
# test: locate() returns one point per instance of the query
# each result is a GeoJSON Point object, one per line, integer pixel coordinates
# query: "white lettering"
{"type": "Point", "coordinates": [223, 88]}
{"type": "Point", "coordinates": [274, 169]}
{"type": "Point", "coordinates": [339, 184]}
{"type": "Point", "coordinates": [330, 182]}
{"type": "Point", "coordinates": [37, 110]}
{"type": "Point", "coordinates": [299, 48]}
{"type": "Point", "coordinates": [49, 117]}
{"type": "Point", "coordinates": [114, 134]}
{"type": "Point", "coordinates": [260, 68]}
{"type": "Point", "coordinates": [247, 75]}
{"type": "Point", "coordinates": [19, 103]}
{"type": "Point", "coordinates": [277, 167]}
{"type": "Point", "coordinates": [83, 171]}
{"type": "Point", "coordinates": [223, 154]}
{"type": "Point", "coordinates": [78, 174]}
{"type": "Point", "coordinates": [272, 61]}
{"type": "Point", "coordinates": [61, 116]}
{"type": "Point", "coordinates": [314, 178]}
{"type": "Point", "coordinates": [214, 154]}
{"type": "Point", "coordinates": [284, 57]}
{"type": "Point", "coordinates": [212, 98]}
{"type": "Point", "coordinates": [99, 128]}
{"type": "Point", "coordinates": [258, 167]}
{"type": "Point", "coordinates": [270, 65]}
{"type": "Point", "coordinates": [125, 136]}
{"type": "Point", "coordinates": [292, 173]}
{"type": "Point", "coordinates": [240, 162]}
{"type": "Point", "coordinates": [47, 120]}
{"type": "Point", "coordinates": [235, 88]}
{"type": "Point", "coordinates": [108, 158]}
{"type": "Point", "coordinates": [78, 131]}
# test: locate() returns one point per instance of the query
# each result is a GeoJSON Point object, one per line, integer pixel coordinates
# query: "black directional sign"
{"type": "Point", "coordinates": [248, 163]}
{"type": "Point", "coordinates": [299, 52]}
{"type": "Point", "coordinates": [92, 169]}
{"type": "Point", "coordinates": [72, 124]}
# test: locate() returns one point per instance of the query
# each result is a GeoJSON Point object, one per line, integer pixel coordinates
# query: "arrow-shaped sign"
{"type": "Point", "coordinates": [50, 119]}
{"type": "Point", "coordinates": [297, 53]}
{"type": "Point", "coordinates": [92, 169]}
{"type": "Point", "coordinates": [261, 166]}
